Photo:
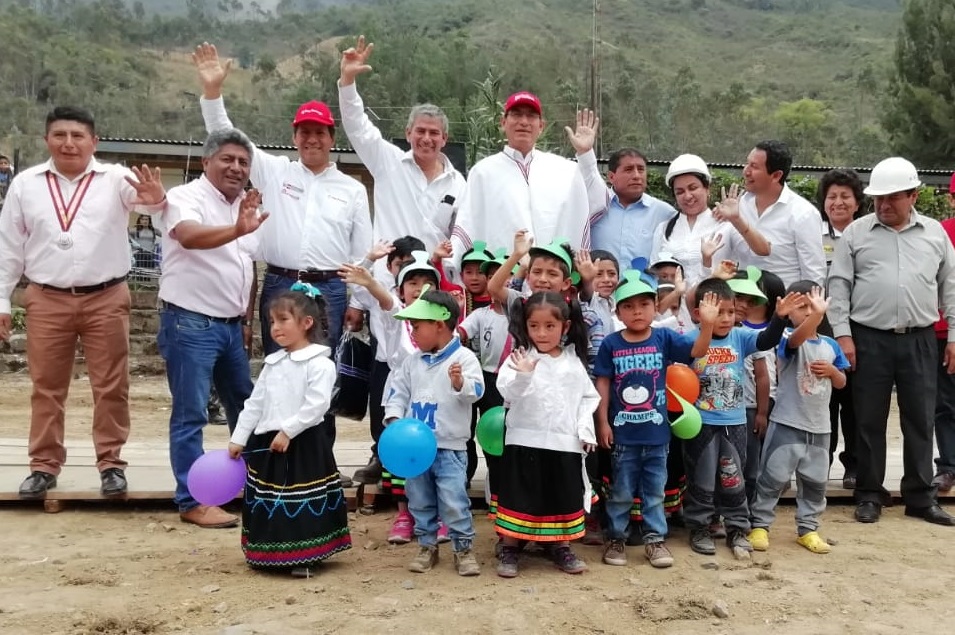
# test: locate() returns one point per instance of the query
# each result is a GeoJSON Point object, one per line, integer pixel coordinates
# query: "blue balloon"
{"type": "Point", "coordinates": [407, 448]}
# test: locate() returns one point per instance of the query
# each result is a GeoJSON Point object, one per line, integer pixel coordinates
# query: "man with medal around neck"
{"type": "Point", "coordinates": [65, 226]}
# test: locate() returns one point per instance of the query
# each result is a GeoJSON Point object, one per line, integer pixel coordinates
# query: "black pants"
{"type": "Point", "coordinates": [376, 392]}
{"type": "Point", "coordinates": [908, 362]}
{"type": "Point", "coordinates": [842, 411]}
{"type": "Point", "coordinates": [490, 399]}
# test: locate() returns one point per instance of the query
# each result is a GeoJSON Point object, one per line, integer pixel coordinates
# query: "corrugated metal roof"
{"type": "Point", "coordinates": [199, 142]}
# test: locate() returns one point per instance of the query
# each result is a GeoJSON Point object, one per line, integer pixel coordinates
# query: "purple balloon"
{"type": "Point", "coordinates": [216, 478]}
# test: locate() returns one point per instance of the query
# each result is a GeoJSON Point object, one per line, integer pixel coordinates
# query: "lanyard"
{"type": "Point", "coordinates": [66, 213]}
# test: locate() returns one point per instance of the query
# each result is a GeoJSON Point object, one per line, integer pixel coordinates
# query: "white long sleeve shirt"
{"type": "Point", "coordinates": [406, 203]}
{"type": "Point", "coordinates": [552, 407]}
{"type": "Point", "coordinates": [29, 229]}
{"type": "Point", "coordinates": [317, 220]}
{"type": "Point", "coordinates": [215, 282]}
{"type": "Point", "coordinates": [507, 191]}
{"type": "Point", "coordinates": [793, 228]}
{"type": "Point", "coordinates": [293, 393]}
{"type": "Point", "coordinates": [421, 389]}
{"type": "Point", "coordinates": [685, 243]}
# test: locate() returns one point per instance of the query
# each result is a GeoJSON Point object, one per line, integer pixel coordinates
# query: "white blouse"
{"type": "Point", "coordinates": [684, 243]}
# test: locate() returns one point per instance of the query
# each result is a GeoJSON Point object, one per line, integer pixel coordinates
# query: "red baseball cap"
{"type": "Point", "coordinates": [314, 111]}
{"type": "Point", "coordinates": [951, 185]}
{"type": "Point", "coordinates": [523, 98]}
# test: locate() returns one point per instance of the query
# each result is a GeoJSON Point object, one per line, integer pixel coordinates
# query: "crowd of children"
{"type": "Point", "coordinates": [577, 352]}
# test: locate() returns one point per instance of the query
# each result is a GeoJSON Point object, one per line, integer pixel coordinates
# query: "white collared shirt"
{"type": "Point", "coordinates": [292, 394]}
{"type": "Point", "coordinates": [792, 226]}
{"type": "Point", "coordinates": [29, 229]}
{"type": "Point", "coordinates": [215, 282]}
{"type": "Point", "coordinates": [685, 243]}
{"type": "Point", "coordinates": [406, 204]}
{"type": "Point", "coordinates": [317, 220]}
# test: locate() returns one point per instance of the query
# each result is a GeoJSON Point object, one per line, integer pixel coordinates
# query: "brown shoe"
{"type": "Point", "coordinates": [944, 481]}
{"type": "Point", "coordinates": [209, 517]}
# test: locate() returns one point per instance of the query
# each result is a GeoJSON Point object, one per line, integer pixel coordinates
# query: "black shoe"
{"type": "Point", "coordinates": [370, 474]}
{"type": "Point", "coordinates": [36, 485]}
{"type": "Point", "coordinates": [217, 418]}
{"type": "Point", "coordinates": [933, 514]}
{"type": "Point", "coordinates": [868, 512]}
{"type": "Point", "coordinates": [849, 481]}
{"type": "Point", "coordinates": [113, 482]}
{"type": "Point", "coordinates": [345, 480]}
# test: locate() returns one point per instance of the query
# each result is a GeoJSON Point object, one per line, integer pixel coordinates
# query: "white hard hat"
{"type": "Point", "coordinates": [892, 175]}
{"type": "Point", "coordinates": [687, 164]}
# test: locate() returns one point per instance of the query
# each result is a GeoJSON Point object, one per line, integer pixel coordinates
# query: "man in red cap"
{"type": "Point", "coordinates": [945, 393]}
{"type": "Point", "coordinates": [522, 187]}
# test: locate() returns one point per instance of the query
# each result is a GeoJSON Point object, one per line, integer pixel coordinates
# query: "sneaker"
{"type": "Point", "coordinates": [402, 529]}
{"type": "Point", "coordinates": [427, 557]}
{"type": "Point", "coordinates": [944, 481]}
{"type": "Point", "coordinates": [615, 554]}
{"type": "Point", "coordinates": [736, 540]}
{"type": "Point", "coordinates": [567, 561]}
{"type": "Point", "coordinates": [717, 529]}
{"type": "Point", "coordinates": [466, 564]}
{"type": "Point", "coordinates": [814, 542]}
{"type": "Point", "coordinates": [443, 536]}
{"type": "Point", "coordinates": [759, 539]}
{"type": "Point", "coordinates": [593, 536]}
{"type": "Point", "coordinates": [370, 474]}
{"type": "Point", "coordinates": [658, 555]}
{"type": "Point", "coordinates": [702, 542]}
{"type": "Point", "coordinates": [507, 562]}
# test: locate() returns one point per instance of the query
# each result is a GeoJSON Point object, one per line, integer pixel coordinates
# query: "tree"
{"type": "Point", "coordinates": [920, 115]}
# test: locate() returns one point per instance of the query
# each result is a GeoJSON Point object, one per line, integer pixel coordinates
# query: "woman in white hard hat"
{"type": "Point", "coordinates": [697, 227]}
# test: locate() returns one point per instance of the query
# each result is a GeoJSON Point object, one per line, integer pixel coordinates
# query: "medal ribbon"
{"type": "Point", "coordinates": [66, 214]}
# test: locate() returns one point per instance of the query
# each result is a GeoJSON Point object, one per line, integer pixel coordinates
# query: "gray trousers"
{"type": "Point", "coordinates": [715, 460]}
{"type": "Point", "coordinates": [787, 450]}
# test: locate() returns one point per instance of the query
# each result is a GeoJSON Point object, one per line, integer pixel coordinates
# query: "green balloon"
{"type": "Point", "coordinates": [689, 424]}
{"type": "Point", "coordinates": [490, 431]}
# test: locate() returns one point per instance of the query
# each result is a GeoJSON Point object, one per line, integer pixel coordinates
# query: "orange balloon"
{"type": "Point", "coordinates": [684, 382]}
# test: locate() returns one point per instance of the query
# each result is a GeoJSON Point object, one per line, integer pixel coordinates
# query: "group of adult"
{"type": "Point", "coordinates": [64, 226]}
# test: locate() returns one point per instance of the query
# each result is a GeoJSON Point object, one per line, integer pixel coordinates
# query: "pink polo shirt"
{"type": "Point", "coordinates": [941, 328]}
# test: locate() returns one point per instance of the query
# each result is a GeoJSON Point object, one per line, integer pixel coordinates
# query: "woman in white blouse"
{"type": "Point", "coordinates": [696, 227]}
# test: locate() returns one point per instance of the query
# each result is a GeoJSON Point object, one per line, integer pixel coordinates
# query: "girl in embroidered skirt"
{"type": "Point", "coordinates": [295, 514]}
{"type": "Point", "coordinates": [544, 489]}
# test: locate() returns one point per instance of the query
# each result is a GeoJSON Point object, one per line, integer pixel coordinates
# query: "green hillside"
{"type": "Point", "coordinates": [709, 76]}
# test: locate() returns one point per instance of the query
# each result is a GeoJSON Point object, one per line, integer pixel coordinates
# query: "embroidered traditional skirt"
{"type": "Point", "coordinates": [394, 485]}
{"type": "Point", "coordinates": [295, 513]}
{"type": "Point", "coordinates": [540, 495]}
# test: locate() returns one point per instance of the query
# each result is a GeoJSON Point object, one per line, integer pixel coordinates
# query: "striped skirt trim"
{"type": "Point", "coordinates": [540, 528]}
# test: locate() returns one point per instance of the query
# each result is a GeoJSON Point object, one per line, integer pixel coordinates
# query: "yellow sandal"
{"type": "Point", "coordinates": [814, 543]}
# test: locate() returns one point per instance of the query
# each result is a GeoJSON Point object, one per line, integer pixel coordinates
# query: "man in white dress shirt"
{"type": "Point", "coordinates": [522, 188]}
{"type": "Point", "coordinates": [320, 216]}
{"type": "Point", "coordinates": [205, 297]}
{"type": "Point", "coordinates": [786, 220]}
{"type": "Point", "coordinates": [64, 225]}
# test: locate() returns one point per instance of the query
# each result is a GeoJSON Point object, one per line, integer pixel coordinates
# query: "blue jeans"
{"type": "Point", "coordinates": [638, 470]}
{"type": "Point", "coordinates": [333, 293]}
{"type": "Point", "coordinates": [441, 492]}
{"type": "Point", "coordinates": [199, 352]}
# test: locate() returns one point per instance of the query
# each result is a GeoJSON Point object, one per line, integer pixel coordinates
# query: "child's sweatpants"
{"type": "Point", "coordinates": [714, 469]}
{"type": "Point", "coordinates": [788, 450]}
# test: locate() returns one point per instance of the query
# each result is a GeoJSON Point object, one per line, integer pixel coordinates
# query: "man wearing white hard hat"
{"type": "Point", "coordinates": [891, 274]}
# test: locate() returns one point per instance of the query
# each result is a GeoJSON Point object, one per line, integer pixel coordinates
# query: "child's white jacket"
{"type": "Point", "coordinates": [293, 393]}
{"type": "Point", "coordinates": [421, 389]}
{"type": "Point", "coordinates": [552, 407]}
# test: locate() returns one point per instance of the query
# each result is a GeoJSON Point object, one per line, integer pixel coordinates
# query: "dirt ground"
{"type": "Point", "coordinates": [108, 570]}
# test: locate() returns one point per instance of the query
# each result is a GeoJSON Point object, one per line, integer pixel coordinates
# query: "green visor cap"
{"type": "Point", "coordinates": [477, 253]}
{"type": "Point", "coordinates": [421, 309]}
{"type": "Point", "coordinates": [555, 248]}
{"type": "Point", "coordinates": [746, 284]}
{"type": "Point", "coordinates": [500, 255]}
{"type": "Point", "coordinates": [634, 283]}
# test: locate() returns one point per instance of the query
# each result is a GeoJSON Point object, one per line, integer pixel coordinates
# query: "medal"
{"type": "Point", "coordinates": [64, 241]}
{"type": "Point", "coordinates": [66, 213]}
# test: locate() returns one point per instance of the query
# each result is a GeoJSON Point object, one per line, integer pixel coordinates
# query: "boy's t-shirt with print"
{"type": "Point", "coordinates": [802, 399]}
{"type": "Point", "coordinates": [722, 376]}
{"type": "Point", "coordinates": [637, 370]}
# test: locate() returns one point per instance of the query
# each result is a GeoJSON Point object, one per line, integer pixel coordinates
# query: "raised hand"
{"type": "Point", "coordinates": [457, 377]}
{"type": "Point", "coordinates": [586, 267]}
{"type": "Point", "coordinates": [381, 249]}
{"type": "Point", "coordinates": [443, 250]}
{"type": "Point", "coordinates": [212, 72]}
{"type": "Point", "coordinates": [787, 303]}
{"type": "Point", "coordinates": [354, 274]}
{"type": "Point", "coordinates": [709, 245]}
{"type": "Point", "coordinates": [726, 270]}
{"type": "Point", "coordinates": [709, 308]}
{"type": "Point", "coordinates": [148, 185]}
{"type": "Point", "coordinates": [818, 302]}
{"type": "Point", "coordinates": [249, 218]}
{"type": "Point", "coordinates": [728, 207]}
{"type": "Point", "coordinates": [521, 361]}
{"type": "Point", "coordinates": [355, 61]}
{"type": "Point", "coordinates": [523, 241]}
{"type": "Point", "coordinates": [679, 282]}
{"type": "Point", "coordinates": [582, 137]}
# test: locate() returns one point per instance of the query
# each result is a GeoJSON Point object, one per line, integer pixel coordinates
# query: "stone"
{"type": "Point", "coordinates": [710, 566]}
{"type": "Point", "coordinates": [407, 585]}
{"type": "Point", "coordinates": [221, 607]}
{"type": "Point", "coordinates": [720, 609]}
{"type": "Point", "coordinates": [210, 588]}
